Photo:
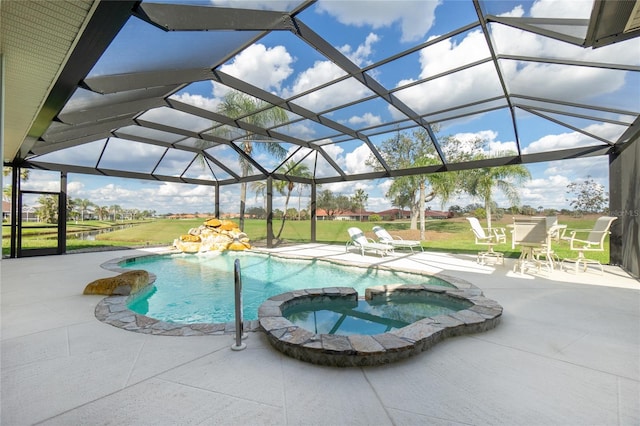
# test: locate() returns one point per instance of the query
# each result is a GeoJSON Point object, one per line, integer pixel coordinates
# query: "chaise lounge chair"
{"type": "Point", "coordinates": [385, 238]}
{"type": "Point", "coordinates": [363, 243]}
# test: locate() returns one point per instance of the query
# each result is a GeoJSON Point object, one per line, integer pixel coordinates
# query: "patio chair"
{"type": "Point", "coordinates": [501, 235]}
{"type": "Point", "coordinates": [396, 241]}
{"type": "Point", "coordinates": [485, 237]}
{"type": "Point", "coordinates": [532, 236]}
{"type": "Point", "coordinates": [594, 241]}
{"type": "Point", "coordinates": [359, 241]}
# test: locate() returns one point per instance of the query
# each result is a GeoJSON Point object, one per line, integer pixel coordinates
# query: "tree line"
{"type": "Point", "coordinates": [83, 209]}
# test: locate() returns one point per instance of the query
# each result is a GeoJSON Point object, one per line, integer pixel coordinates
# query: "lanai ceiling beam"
{"type": "Point", "coordinates": [535, 25]}
{"type": "Point", "coordinates": [88, 129]}
{"type": "Point", "coordinates": [89, 115]}
{"type": "Point", "coordinates": [573, 153]}
{"type": "Point", "coordinates": [108, 84]}
{"type": "Point", "coordinates": [223, 119]}
{"type": "Point", "coordinates": [570, 62]}
{"type": "Point", "coordinates": [41, 148]}
{"type": "Point", "coordinates": [631, 134]}
{"type": "Point", "coordinates": [576, 105]}
{"type": "Point", "coordinates": [562, 123]}
{"type": "Point", "coordinates": [117, 173]}
{"type": "Point", "coordinates": [178, 17]}
{"type": "Point", "coordinates": [496, 64]}
{"type": "Point", "coordinates": [320, 44]}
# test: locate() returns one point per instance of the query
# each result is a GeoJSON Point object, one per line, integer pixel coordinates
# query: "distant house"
{"type": "Point", "coordinates": [395, 214]}
{"type": "Point", "coordinates": [406, 214]}
{"type": "Point", "coordinates": [322, 214]}
{"type": "Point", "coordinates": [436, 214]}
{"type": "Point", "coordinates": [188, 216]}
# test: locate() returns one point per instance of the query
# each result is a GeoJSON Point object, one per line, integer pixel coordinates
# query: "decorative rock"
{"type": "Point", "coordinates": [213, 235]}
{"type": "Point", "coordinates": [189, 238]}
{"type": "Point", "coordinates": [123, 284]}
{"type": "Point", "coordinates": [213, 223]}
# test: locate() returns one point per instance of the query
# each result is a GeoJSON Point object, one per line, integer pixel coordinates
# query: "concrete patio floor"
{"type": "Point", "coordinates": [567, 352]}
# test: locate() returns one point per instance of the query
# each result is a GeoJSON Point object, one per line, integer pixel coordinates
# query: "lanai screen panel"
{"type": "Point", "coordinates": [332, 81]}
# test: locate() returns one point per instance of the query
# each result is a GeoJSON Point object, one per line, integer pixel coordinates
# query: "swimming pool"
{"type": "Point", "coordinates": [193, 289]}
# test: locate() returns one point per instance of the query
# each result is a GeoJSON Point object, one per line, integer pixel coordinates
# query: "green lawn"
{"type": "Point", "coordinates": [451, 235]}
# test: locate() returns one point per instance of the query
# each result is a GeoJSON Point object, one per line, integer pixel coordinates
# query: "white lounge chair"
{"type": "Point", "coordinates": [359, 241]}
{"type": "Point", "coordinates": [594, 241]}
{"type": "Point", "coordinates": [488, 239]}
{"type": "Point", "coordinates": [396, 241]}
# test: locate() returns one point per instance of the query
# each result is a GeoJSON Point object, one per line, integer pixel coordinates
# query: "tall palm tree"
{"type": "Point", "coordinates": [240, 105]}
{"type": "Point", "coordinates": [482, 182]}
{"type": "Point", "coordinates": [83, 205]}
{"type": "Point", "coordinates": [102, 212]}
{"type": "Point", "coordinates": [293, 169]}
{"type": "Point", "coordinates": [115, 210]}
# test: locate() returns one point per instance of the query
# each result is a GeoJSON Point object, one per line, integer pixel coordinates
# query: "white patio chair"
{"type": "Point", "coordinates": [501, 235]}
{"type": "Point", "coordinates": [487, 238]}
{"type": "Point", "coordinates": [532, 237]}
{"type": "Point", "coordinates": [358, 240]}
{"type": "Point", "coordinates": [396, 241]}
{"type": "Point", "coordinates": [594, 241]}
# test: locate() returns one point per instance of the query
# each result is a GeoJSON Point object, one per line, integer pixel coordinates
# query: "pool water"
{"type": "Point", "coordinates": [366, 317]}
{"type": "Point", "coordinates": [200, 289]}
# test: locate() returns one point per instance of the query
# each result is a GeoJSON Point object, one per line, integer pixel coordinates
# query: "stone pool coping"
{"type": "Point", "coordinates": [366, 350]}
{"type": "Point", "coordinates": [113, 310]}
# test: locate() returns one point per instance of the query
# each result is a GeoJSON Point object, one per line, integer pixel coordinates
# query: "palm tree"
{"type": "Point", "coordinates": [293, 169]}
{"type": "Point", "coordinates": [259, 187]}
{"type": "Point", "coordinates": [115, 210]}
{"type": "Point", "coordinates": [481, 183]}
{"type": "Point", "coordinates": [83, 205]}
{"type": "Point", "coordinates": [240, 105]}
{"type": "Point", "coordinates": [102, 212]}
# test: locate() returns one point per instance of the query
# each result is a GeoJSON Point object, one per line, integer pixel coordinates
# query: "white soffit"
{"type": "Point", "coordinates": [36, 40]}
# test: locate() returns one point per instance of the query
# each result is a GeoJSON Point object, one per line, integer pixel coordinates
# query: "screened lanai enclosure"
{"type": "Point", "coordinates": [219, 92]}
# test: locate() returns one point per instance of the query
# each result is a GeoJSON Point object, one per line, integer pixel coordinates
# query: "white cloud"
{"type": "Point", "coordinates": [493, 147]}
{"type": "Point", "coordinates": [415, 17]}
{"type": "Point", "coordinates": [576, 9]}
{"type": "Point", "coordinates": [325, 71]}
{"type": "Point", "coordinates": [365, 120]}
{"type": "Point", "coordinates": [360, 56]}
{"type": "Point", "coordinates": [209, 104]}
{"type": "Point", "coordinates": [547, 192]}
{"type": "Point", "coordinates": [320, 72]}
{"type": "Point", "coordinates": [537, 79]}
{"type": "Point", "coordinates": [573, 139]}
{"type": "Point", "coordinates": [355, 161]}
{"type": "Point", "coordinates": [263, 67]}
{"type": "Point", "coordinates": [335, 152]}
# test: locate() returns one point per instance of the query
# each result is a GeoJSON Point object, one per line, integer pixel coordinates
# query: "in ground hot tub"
{"type": "Point", "coordinates": [332, 326]}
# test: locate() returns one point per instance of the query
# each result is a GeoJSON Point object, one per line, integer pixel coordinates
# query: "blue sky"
{"type": "Point", "coordinates": [367, 33]}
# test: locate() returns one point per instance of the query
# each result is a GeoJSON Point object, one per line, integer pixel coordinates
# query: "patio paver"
{"type": "Point", "coordinates": [566, 352]}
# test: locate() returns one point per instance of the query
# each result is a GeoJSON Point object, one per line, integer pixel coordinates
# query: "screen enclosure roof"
{"type": "Point", "coordinates": [140, 87]}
